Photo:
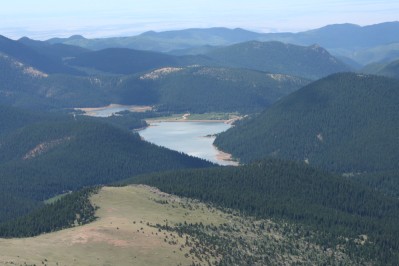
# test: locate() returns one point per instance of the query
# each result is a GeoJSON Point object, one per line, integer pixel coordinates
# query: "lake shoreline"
{"type": "Point", "coordinates": [186, 118]}
{"type": "Point", "coordinates": [151, 121]}
{"type": "Point", "coordinates": [227, 157]}
{"type": "Point", "coordinates": [175, 133]}
{"type": "Point", "coordinates": [93, 111]}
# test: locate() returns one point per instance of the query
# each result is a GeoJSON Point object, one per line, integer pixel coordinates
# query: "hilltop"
{"type": "Point", "coordinates": [345, 123]}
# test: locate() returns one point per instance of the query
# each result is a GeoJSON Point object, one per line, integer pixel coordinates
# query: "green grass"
{"type": "Point", "coordinates": [195, 117]}
{"type": "Point", "coordinates": [139, 225]}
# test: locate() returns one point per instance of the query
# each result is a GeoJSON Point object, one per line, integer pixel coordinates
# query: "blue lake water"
{"type": "Point", "coordinates": [191, 138]}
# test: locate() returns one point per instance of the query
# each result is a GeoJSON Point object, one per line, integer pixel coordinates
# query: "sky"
{"type": "Point", "coordinates": [43, 19]}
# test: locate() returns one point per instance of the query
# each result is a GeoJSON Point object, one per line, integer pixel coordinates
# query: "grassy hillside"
{"type": "Point", "coordinates": [344, 123]}
{"type": "Point", "coordinates": [44, 158]}
{"type": "Point", "coordinates": [143, 226]}
{"type": "Point", "coordinates": [299, 194]}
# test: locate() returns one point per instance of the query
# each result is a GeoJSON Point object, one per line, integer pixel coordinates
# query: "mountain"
{"type": "Point", "coordinates": [60, 153]}
{"type": "Point", "coordinates": [22, 85]}
{"type": "Point", "coordinates": [274, 57]}
{"type": "Point", "coordinates": [29, 56]}
{"type": "Point", "coordinates": [123, 61]}
{"type": "Point", "coordinates": [176, 89]}
{"type": "Point", "coordinates": [13, 118]}
{"type": "Point", "coordinates": [295, 193]}
{"type": "Point", "coordinates": [339, 39]}
{"type": "Point", "coordinates": [171, 228]}
{"type": "Point", "coordinates": [378, 54]}
{"type": "Point", "coordinates": [57, 51]}
{"type": "Point", "coordinates": [200, 89]}
{"type": "Point", "coordinates": [361, 44]}
{"type": "Point", "coordinates": [164, 41]}
{"type": "Point", "coordinates": [343, 36]}
{"type": "Point", "coordinates": [201, 50]}
{"type": "Point", "coordinates": [310, 62]}
{"type": "Point", "coordinates": [345, 122]}
{"type": "Point", "coordinates": [389, 69]}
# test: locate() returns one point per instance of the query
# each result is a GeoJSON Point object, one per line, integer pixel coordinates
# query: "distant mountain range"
{"type": "Point", "coordinates": [276, 57]}
{"type": "Point", "coordinates": [339, 39]}
{"type": "Point", "coordinates": [32, 57]}
{"type": "Point", "coordinates": [310, 62]}
{"type": "Point", "coordinates": [172, 83]}
{"type": "Point", "coordinates": [164, 41]}
{"type": "Point", "coordinates": [57, 51]}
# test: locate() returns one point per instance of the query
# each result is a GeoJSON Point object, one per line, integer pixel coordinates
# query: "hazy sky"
{"type": "Point", "coordinates": [42, 19]}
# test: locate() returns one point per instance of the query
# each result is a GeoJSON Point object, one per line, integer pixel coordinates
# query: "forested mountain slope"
{"type": "Point", "coordinates": [44, 158]}
{"type": "Point", "coordinates": [331, 205]}
{"type": "Point", "coordinates": [390, 69]}
{"type": "Point", "coordinates": [31, 57]}
{"type": "Point", "coordinates": [123, 61]}
{"type": "Point", "coordinates": [176, 89]}
{"type": "Point", "coordinates": [344, 38]}
{"type": "Point", "coordinates": [56, 51]}
{"type": "Point", "coordinates": [145, 226]}
{"type": "Point", "coordinates": [22, 85]}
{"type": "Point", "coordinates": [164, 41]}
{"type": "Point", "coordinates": [206, 89]}
{"type": "Point", "coordinates": [345, 122]}
{"type": "Point", "coordinates": [310, 62]}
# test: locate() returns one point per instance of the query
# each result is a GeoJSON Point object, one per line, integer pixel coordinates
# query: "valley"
{"type": "Point", "coordinates": [120, 150]}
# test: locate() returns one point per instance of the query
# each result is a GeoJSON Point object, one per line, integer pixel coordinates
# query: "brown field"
{"type": "Point", "coordinates": [125, 233]}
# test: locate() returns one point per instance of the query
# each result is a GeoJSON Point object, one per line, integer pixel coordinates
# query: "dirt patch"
{"type": "Point", "coordinates": [227, 157]}
{"type": "Point", "coordinates": [44, 147]}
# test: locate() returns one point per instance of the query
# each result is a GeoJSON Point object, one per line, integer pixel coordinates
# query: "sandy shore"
{"type": "Point", "coordinates": [152, 121]}
{"type": "Point", "coordinates": [186, 118]}
{"type": "Point", "coordinates": [224, 156]}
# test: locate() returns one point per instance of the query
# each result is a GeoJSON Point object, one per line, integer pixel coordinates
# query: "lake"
{"type": "Point", "coordinates": [192, 138]}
